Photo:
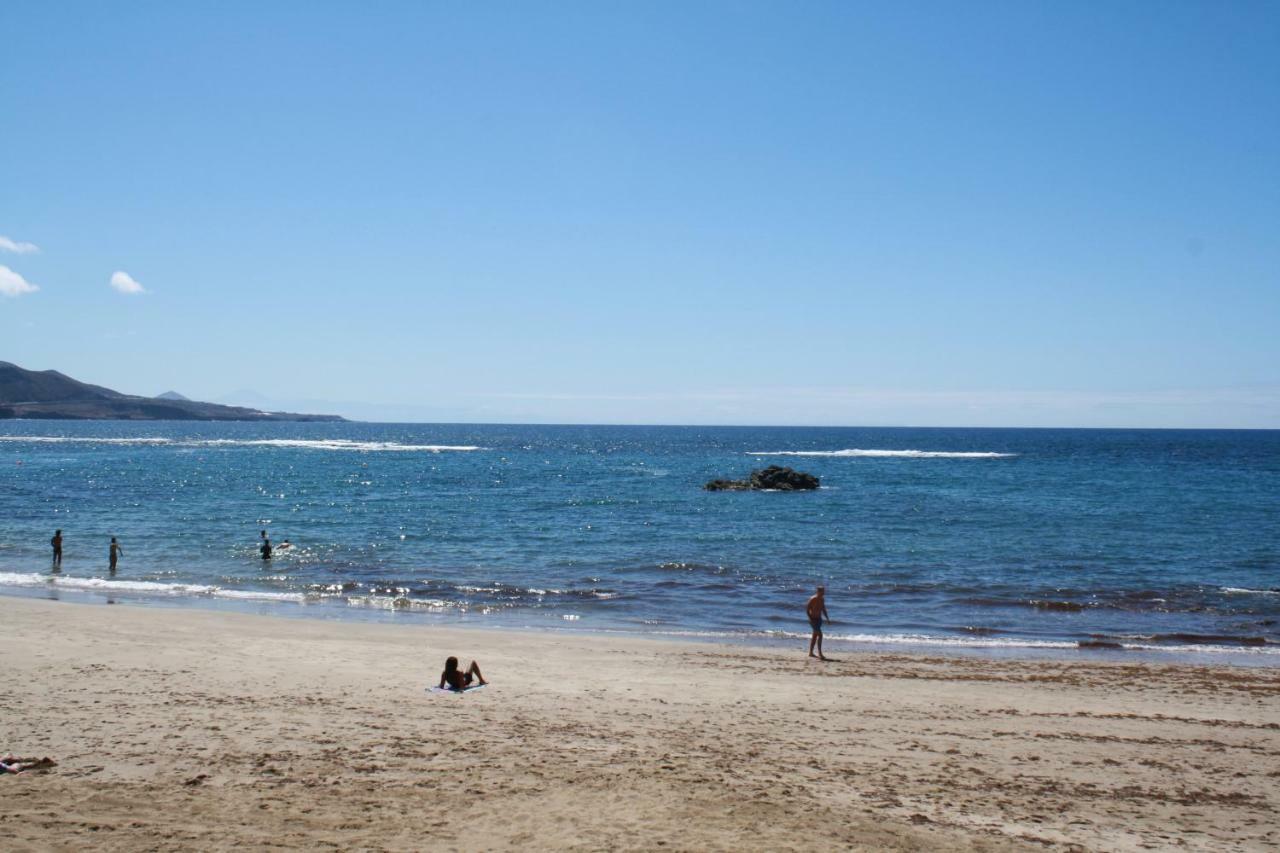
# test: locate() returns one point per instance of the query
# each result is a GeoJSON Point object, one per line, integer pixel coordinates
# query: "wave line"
{"type": "Point", "coordinates": [888, 454]}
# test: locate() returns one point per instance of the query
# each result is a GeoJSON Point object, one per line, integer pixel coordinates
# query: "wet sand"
{"type": "Point", "coordinates": [187, 729]}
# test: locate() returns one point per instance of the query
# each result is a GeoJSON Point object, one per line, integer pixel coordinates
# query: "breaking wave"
{"type": "Point", "coordinates": [888, 454]}
{"type": "Point", "coordinates": [147, 587]}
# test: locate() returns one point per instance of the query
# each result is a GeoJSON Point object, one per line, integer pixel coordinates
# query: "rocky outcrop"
{"type": "Point", "coordinates": [774, 478]}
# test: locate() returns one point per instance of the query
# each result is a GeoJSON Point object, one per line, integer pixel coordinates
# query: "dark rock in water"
{"type": "Point", "coordinates": [727, 486]}
{"type": "Point", "coordinates": [1066, 606]}
{"type": "Point", "coordinates": [1210, 639]}
{"type": "Point", "coordinates": [774, 477]}
{"type": "Point", "coordinates": [1099, 644]}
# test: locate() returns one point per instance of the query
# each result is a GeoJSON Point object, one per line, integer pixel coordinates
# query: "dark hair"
{"type": "Point", "coordinates": [451, 666]}
{"type": "Point", "coordinates": [59, 530]}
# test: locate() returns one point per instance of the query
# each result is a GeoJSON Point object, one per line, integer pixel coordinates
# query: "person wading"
{"type": "Point", "coordinates": [114, 554]}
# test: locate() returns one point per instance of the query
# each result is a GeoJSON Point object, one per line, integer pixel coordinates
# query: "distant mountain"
{"type": "Point", "coordinates": [244, 397]}
{"type": "Point", "coordinates": [48, 394]}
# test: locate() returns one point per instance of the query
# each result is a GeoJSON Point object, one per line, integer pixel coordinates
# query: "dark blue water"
{"type": "Point", "coordinates": [969, 537]}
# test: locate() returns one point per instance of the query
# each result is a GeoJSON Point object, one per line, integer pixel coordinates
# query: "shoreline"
{"type": "Point", "coordinates": [1021, 556]}
{"type": "Point", "coordinates": [337, 608]}
{"type": "Point", "coordinates": [188, 728]}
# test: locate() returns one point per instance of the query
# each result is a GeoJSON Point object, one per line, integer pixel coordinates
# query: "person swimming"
{"type": "Point", "coordinates": [455, 679]}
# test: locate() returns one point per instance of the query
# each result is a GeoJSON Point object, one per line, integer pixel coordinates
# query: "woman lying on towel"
{"type": "Point", "coordinates": [9, 764]}
{"type": "Point", "coordinates": [455, 679]}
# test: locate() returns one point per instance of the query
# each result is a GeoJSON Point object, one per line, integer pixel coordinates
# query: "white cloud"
{"type": "Point", "coordinates": [12, 284]}
{"type": "Point", "coordinates": [17, 246]}
{"type": "Point", "coordinates": [125, 283]}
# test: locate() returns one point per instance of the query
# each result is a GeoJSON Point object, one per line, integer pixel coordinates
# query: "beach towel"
{"type": "Point", "coordinates": [451, 690]}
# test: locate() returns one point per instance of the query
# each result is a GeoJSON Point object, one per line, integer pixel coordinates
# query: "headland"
{"type": "Point", "coordinates": [50, 395]}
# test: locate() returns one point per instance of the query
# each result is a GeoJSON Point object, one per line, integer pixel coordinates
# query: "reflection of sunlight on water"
{"type": "Point", "coordinates": [610, 525]}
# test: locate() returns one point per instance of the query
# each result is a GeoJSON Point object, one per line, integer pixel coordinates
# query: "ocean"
{"type": "Point", "coordinates": [1158, 542]}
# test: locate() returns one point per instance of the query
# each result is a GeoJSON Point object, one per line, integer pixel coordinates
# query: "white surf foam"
{"type": "Point", "coordinates": [887, 454]}
{"type": "Point", "coordinates": [303, 443]}
{"type": "Point", "coordinates": [397, 602]}
{"type": "Point", "coordinates": [1235, 590]}
{"type": "Point", "coordinates": [145, 587]}
{"type": "Point", "coordinates": [255, 595]}
{"type": "Point", "coordinates": [1018, 643]}
{"type": "Point", "coordinates": [927, 640]}
{"type": "Point", "coordinates": [1196, 649]}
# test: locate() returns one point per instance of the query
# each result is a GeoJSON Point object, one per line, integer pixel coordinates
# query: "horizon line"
{"type": "Point", "coordinates": [649, 425]}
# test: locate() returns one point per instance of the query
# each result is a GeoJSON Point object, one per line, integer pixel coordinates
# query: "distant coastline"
{"type": "Point", "coordinates": [50, 395]}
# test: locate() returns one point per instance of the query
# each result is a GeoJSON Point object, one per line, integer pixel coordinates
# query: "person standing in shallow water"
{"type": "Point", "coordinates": [817, 610]}
{"type": "Point", "coordinates": [56, 542]}
{"type": "Point", "coordinates": [114, 554]}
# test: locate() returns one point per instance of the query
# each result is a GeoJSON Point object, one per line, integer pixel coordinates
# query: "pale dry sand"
{"type": "Point", "coordinates": [199, 730]}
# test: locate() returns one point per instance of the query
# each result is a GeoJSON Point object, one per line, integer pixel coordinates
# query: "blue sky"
{"type": "Point", "coordinates": [1011, 213]}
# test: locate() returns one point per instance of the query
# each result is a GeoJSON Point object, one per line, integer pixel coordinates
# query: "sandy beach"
{"type": "Point", "coordinates": [190, 729]}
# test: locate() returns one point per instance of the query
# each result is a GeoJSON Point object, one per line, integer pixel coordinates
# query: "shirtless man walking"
{"type": "Point", "coordinates": [817, 610]}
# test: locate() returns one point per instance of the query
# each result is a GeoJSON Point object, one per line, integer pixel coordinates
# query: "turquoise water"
{"type": "Point", "coordinates": [973, 538]}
